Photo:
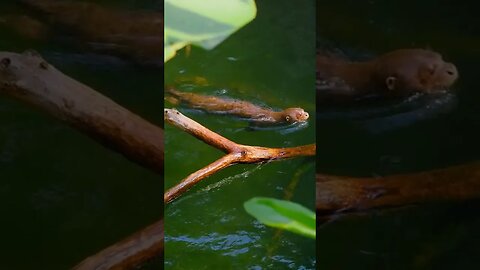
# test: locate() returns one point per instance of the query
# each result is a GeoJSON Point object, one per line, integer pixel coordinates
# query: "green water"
{"type": "Point", "coordinates": [437, 236]}
{"type": "Point", "coordinates": [270, 61]}
{"type": "Point", "coordinates": [63, 196]}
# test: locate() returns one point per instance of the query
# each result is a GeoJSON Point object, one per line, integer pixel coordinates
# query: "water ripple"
{"type": "Point", "coordinates": [233, 244]}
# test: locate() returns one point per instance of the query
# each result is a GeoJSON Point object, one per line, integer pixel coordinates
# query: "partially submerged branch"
{"type": "Point", "coordinates": [32, 80]}
{"type": "Point", "coordinates": [236, 153]}
{"type": "Point", "coordinates": [339, 194]}
{"type": "Point", "coordinates": [132, 251]}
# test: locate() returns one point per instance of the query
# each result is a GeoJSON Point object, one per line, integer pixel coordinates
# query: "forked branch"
{"type": "Point", "coordinates": [235, 153]}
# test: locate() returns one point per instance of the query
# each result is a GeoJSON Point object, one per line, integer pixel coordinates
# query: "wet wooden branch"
{"type": "Point", "coordinates": [132, 251]}
{"type": "Point", "coordinates": [32, 80]}
{"type": "Point", "coordinates": [235, 153]}
{"type": "Point", "coordinates": [341, 194]}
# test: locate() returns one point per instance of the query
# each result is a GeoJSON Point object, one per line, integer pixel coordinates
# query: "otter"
{"type": "Point", "coordinates": [395, 74]}
{"type": "Point", "coordinates": [239, 108]}
{"type": "Point", "coordinates": [136, 34]}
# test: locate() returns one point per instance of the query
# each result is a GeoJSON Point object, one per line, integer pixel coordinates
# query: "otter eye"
{"type": "Point", "coordinates": [391, 81]}
{"type": "Point", "coordinates": [287, 118]}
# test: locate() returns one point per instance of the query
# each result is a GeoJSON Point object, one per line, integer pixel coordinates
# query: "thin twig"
{"type": "Point", "coordinates": [236, 153]}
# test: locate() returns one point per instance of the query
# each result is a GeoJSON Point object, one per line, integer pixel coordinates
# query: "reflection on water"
{"type": "Point", "coordinates": [227, 245]}
{"type": "Point", "coordinates": [388, 116]}
{"type": "Point", "coordinates": [423, 108]}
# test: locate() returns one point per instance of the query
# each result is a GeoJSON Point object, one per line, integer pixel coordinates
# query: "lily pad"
{"type": "Point", "coordinates": [282, 214]}
{"type": "Point", "coordinates": [204, 23]}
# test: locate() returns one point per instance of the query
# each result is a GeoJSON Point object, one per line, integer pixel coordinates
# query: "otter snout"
{"type": "Point", "coordinates": [451, 74]}
{"type": "Point", "coordinates": [451, 70]}
{"type": "Point", "coordinates": [293, 115]}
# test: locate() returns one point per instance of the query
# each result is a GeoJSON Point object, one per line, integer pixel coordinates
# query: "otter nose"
{"type": "Point", "coordinates": [451, 70]}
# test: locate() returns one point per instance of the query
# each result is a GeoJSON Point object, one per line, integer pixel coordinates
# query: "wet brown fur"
{"type": "Point", "coordinates": [236, 107]}
{"type": "Point", "coordinates": [397, 73]}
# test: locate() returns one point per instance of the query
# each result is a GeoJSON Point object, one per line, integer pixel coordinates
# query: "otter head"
{"type": "Point", "coordinates": [415, 70]}
{"type": "Point", "coordinates": [292, 115]}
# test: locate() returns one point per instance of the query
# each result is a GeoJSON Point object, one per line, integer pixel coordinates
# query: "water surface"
{"type": "Point", "coordinates": [269, 62]}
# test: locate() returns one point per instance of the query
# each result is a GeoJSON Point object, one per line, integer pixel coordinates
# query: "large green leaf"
{"type": "Point", "coordinates": [282, 214]}
{"type": "Point", "coordinates": [205, 23]}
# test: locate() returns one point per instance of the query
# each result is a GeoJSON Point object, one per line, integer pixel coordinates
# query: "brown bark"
{"type": "Point", "coordinates": [236, 153]}
{"type": "Point", "coordinates": [338, 193]}
{"type": "Point", "coordinates": [130, 252]}
{"type": "Point", "coordinates": [32, 80]}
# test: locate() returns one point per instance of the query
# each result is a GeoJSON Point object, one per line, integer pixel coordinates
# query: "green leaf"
{"type": "Point", "coordinates": [282, 214]}
{"type": "Point", "coordinates": [205, 23]}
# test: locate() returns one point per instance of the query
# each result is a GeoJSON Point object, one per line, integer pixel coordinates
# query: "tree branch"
{"type": "Point", "coordinates": [340, 194]}
{"type": "Point", "coordinates": [32, 80]}
{"type": "Point", "coordinates": [126, 254]}
{"type": "Point", "coordinates": [236, 153]}
{"type": "Point", "coordinates": [198, 131]}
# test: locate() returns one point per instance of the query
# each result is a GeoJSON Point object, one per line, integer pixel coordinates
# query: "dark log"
{"type": "Point", "coordinates": [342, 194]}
{"type": "Point", "coordinates": [132, 251]}
{"type": "Point", "coordinates": [32, 80]}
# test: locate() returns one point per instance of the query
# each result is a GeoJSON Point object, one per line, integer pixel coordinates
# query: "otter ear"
{"type": "Point", "coordinates": [390, 81]}
{"type": "Point", "coordinates": [287, 118]}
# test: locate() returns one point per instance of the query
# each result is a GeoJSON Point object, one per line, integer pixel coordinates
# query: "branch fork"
{"type": "Point", "coordinates": [235, 153]}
